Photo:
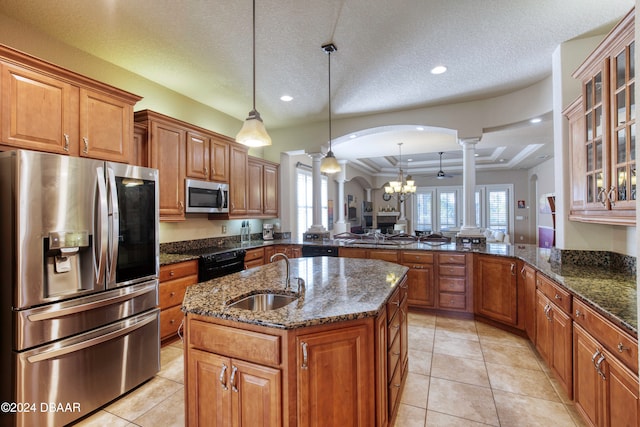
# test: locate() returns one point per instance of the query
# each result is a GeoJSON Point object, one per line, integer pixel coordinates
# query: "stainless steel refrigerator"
{"type": "Point", "coordinates": [79, 267]}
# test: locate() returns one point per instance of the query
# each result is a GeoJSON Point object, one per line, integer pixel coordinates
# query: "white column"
{"type": "Point", "coordinates": [368, 190]}
{"type": "Point", "coordinates": [469, 226]}
{"type": "Point", "coordinates": [341, 226]}
{"type": "Point", "coordinates": [317, 193]}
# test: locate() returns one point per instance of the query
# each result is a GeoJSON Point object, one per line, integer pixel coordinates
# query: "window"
{"type": "Point", "coordinates": [448, 214]}
{"type": "Point", "coordinates": [498, 209]}
{"type": "Point", "coordinates": [304, 201]}
{"type": "Point", "coordinates": [440, 208]}
{"type": "Point", "coordinates": [424, 211]}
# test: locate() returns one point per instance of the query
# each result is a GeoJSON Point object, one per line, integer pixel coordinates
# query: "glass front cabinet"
{"type": "Point", "coordinates": [602, 128]}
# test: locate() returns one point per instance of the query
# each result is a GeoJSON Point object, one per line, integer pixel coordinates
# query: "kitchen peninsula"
{"type": "Point", "coordinates": [338, 352]}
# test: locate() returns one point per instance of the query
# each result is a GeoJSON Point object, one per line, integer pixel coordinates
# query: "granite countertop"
{"type": "Point", "coordinates": [612, 294]}
{"type": "Point", "coordinates": [336, 289]}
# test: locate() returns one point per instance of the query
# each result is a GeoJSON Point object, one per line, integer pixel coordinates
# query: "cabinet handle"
{"type": "Point", "coordinates": [523, 273]}
{"type": "Point", "coordinates": [395, 353]}
{"type": "Point", "coordinates": [513, 268]}
{"type": "Point", "coordinates": [601, 197]}
{"type": "Point", "coordinates": [579, 313]}
{"type": "Point", "coordinates": [66, 143]}
{"type": "Point", "coordinates": [85, 150]}
{"type": "Point", "coordinates": [172, 294]}
{"type": "Point", "coordinates": [598, 363]}
{"type": "Point", "coordinates": [610, 195]}
{"type": "Point", "coordinates": [593, 358]}
{"type": "Point", "coordinates": [622, 348]}
{"type": "Point", "coordinates": [172, 273]}
{"type": "Point", "coordinates": [181, 206]}
{"type": "Point", "coordinates": [305, 355]}
{"type": "Point", "coordinates": [558, 297]}
{"type": "Point", "coordinates": [547, 310]}
{"type": "Point", "coordinates": [397, 303]}
{"type": "Point", "coordinates": [234, 370]}
{"type": "Point", "coordinates": [172, 321]}
{"type": "Point", "coordinates": [223, 377]}
{"type": "Point", "coordinates": [206, 172]}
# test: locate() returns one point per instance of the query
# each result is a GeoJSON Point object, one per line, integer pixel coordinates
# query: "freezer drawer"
{"type": "Point", "coordinates": [61, 320]}
{"type": "Point", "coordinates": [88, 370]}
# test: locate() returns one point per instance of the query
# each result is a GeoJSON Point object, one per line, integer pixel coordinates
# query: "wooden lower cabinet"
{"type": "Point", "coordinates": [229, 392]}
{"type": "Point", "coordinates": [335, 378]}
{"type": "Point", "coordinates": [527, 304]}
{"type": "Point", "coordinates": [495, 289]}
{"type": "Point", "coordinates": [554, 340]}
{"type": "Point", "coordinates": [453, 277]}
{"type": "Point", "coordinates": [606, 392]}
{"type": "Point", "coordinates": [174, 279]}
{"type": "Point", "coordinates": [420, 278]}
{"type": "Point", "coordinates": [254, 257]}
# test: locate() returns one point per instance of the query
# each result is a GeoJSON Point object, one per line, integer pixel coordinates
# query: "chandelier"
{"type": "Point", "coordinates": [401, 187]}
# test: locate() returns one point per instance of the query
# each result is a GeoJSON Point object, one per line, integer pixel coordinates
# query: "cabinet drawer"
{"type": "Point", "coordinates": [233, 342]}
{"type": "Point", "coordinates": [170, 320]}
{"type": "Point", "coordinates": [393, 304]}
{"type": "Point", "coordinates": [452, 259]}
{"type": "Point", "coordinates": [394, 389]}
{"type": "Point", "coordinates": [177, 270]}
{"type": "Point", "coordinates": [393, 328]}
{"type": "Point", "coordinates": [623, 346]}
{"type": "Point", "coordinates": [254, 254]}
{"type": "Point", "coordinates": [452, 284]}
{"type": "Point", "coordinates": [171, 293]}
{"type": "Point", "coordinates": [393, 356]}
{"type": "Point", "coordinates": [452, 270]}
{"type": "Point", "coordinates": [449, 300]}
{"type": "Point", "coordinates": [560, 297]}
{"type": "Point", "coordinates": [253, 263]}
{"type": "Point", "coordinates": [384, 255]}
{"type": "Point", "coordinates": [417, 257]}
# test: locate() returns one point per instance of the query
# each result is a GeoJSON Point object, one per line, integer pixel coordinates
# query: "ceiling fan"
{"type": "Point", "coordinates": [441, 174]}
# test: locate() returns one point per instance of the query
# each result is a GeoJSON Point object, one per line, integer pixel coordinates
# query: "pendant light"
{"type": "Point", "coordinates": [253, 132]}
{"type": "Point", "coordinates": [329, 163]}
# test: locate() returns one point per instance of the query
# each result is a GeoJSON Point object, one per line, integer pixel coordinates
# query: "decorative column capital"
{"type": "Point", "coordinates": [316, 156]}
{"type": "Point", "coordinates": [468, 141]}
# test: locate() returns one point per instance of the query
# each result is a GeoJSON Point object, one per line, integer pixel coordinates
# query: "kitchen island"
{"type": "Point", "coordinates": [336, 355]}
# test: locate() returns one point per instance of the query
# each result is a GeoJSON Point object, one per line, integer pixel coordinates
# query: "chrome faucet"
{"type": "Point", "coordinates": [287, 284]}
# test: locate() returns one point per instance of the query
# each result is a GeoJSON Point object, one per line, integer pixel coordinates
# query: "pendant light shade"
{"type": "Point", "coordinates": [253, 132]}
{"type": "Point", "coordinates": [329, 164]}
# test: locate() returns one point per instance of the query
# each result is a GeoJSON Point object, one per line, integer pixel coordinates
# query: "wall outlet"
{"type": "Point", "coordinates": [224, 229]}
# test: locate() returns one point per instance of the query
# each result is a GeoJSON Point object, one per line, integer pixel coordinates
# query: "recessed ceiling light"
{"type": "Point", "coordinates": [477, 155]}
{"type": "Point", "coordinates": [419, 128]}
{"type": "Point", "coordinates": [286, 98]}
{"type": "Point", "coordinates": [353, 135]}
{"type": "Point", "coordinates": [536, 120]}
{"type": "Point", "coordinates": [439, 69]}
{"type": "Point", "coordinates": [501, 160]}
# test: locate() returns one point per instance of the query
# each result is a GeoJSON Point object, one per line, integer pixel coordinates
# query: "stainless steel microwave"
{"type": "Point", "coordinates": [206, 197]}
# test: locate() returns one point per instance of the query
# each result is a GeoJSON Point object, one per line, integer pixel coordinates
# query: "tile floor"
{"type": "Point", "coordinates": [461, 373]}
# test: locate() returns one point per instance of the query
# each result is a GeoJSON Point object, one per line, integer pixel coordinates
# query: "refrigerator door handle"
{"type": "Point", "coordinates": [57, 352]}
{"type": "Point", "coordinates": [101, 232]}
{"type": "Point", "coordinates": [114, 226]}
{"type": "Point", "coordinates": [55, 311]}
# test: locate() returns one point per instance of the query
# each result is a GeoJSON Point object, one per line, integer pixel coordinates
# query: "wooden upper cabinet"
{"type": "Point", "coordinates": [166, 141]}
{"type": "Point", "coordinates": [270, 192]}
{"type": "Point", "coordinates": [197, 156]}
{"type": "Point", "coordinates": [255, 185]}
{"type": "Point", "coordinates": [238, 165]}
{"type": "Point", "coordinates": [39, 112]}
{"type": "Point", "coordinates": [106, 127]}
{"type": "Point", "coordinates": [602, 132]}
{"type": "Point", "coordinates": [219, 160]}
{"type": "Point", "coordinates": [48, 108]}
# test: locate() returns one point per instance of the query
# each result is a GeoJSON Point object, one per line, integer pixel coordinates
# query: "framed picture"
{"type": "Point", "coordinates": [521, 204]}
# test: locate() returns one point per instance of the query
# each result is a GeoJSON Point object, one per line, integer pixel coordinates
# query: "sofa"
{"type": "Point", "coordinates": [496, 236]}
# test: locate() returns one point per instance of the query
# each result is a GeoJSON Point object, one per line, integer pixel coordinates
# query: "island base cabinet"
{"type": "Point", "coordinates": [228, 392]}
{"type": "Point", "coordinates": [335, 379]}
{"type": "Point", "coordinates": [606, 392]}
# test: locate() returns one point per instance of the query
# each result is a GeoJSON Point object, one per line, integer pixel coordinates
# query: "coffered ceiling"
{"type": "Point", "coordinates": [202, 49]}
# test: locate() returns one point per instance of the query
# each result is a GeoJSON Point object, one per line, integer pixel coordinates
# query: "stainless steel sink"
{"type": "Point", "coordinates": [263, 302]}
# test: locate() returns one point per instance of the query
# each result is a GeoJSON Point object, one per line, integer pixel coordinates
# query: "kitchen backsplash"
{"type": "Point", "coordinates": [187, 245]}
{"type": "Point", "coordinates": [604, 259]}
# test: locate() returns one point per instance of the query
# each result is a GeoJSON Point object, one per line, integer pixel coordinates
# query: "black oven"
{"type": "Point", "coordinates": [206, 197]}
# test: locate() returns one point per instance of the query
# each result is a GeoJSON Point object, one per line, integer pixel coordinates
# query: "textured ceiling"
{"type": "Point", "coordinates": [202, 49]}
